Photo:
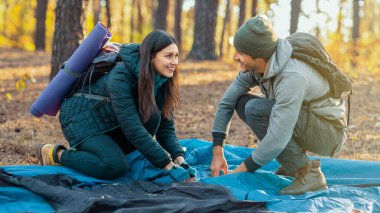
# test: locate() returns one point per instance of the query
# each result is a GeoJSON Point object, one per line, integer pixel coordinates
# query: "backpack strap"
{"type": "Point", "coordinates": [306, 104]}
{"type": "Point", "coordinates": [70, 72]}
{"type": "Point", "coordinates": [92, 96]}
{"type": "Point", "coordinates": [325, 96]}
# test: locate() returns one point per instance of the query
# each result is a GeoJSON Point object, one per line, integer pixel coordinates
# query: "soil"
{"type": "Point", "coordinates": [202, 84]}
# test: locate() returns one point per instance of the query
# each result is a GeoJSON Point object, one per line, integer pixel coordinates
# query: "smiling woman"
{"type": "Point", "coordinates": [130, 108]}
{"type": "Point", "coordinates": [166, 61]}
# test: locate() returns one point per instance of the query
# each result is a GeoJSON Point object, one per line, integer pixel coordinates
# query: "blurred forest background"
{"type": "Point", "coordinates": [36, 36]}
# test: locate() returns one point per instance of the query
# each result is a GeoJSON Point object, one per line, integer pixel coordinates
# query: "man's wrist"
{"type": "Point", "coordinates": [219, 139]}
{"type": "Point", "coordinates": [218, 150]}
{"type": "Point", "coordinates": [251, 165]}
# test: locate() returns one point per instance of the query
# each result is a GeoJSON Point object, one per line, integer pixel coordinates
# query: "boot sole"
{"type": "Point", "coordinates": [39, 154]}
{"type": "Point", "coordinates": [300, 193]}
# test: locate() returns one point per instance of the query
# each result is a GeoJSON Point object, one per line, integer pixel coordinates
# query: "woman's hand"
{"type": "Point", "coordinates": [178, 173]}
{"type": "Point", "coordinates": [179, 160]}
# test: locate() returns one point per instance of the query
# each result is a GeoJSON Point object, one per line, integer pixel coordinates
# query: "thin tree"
{"type": "Point", "coordinates": [339, 19]}
{"type": "Point", "coordinates": [122, 19]}
{"type": "Point", "coordinates": [177, 22]}
{"type": "Point", "coordinates": [355, 32]}
{"type": "Point", "coordinates": [204, 30]}
{"type": "Point", "coordinates": [316, 29]}
{"type": "Point", "coordinates": [225, 22]}
{"type": "Point", "coordinates": [241, 12]}
{"type": "Point", "coordinates": [5, 10]}
{"type": "Point", "coordinates": [108, 13]}
{"type": "Point", "coordinates": [161, 14]}
{"type": "Point", "coordinates": [254, 8]}
{"type": "Point", "coordinates": [96, 10]}
{"type": "Point", "coordinates": [294, 15]}
{"type": "Point", "coordinates": [140, 18]}
{"type": "Point", "coordinates": [132, 20]}
{"type": "Point", "coordinates": [68, 31]}
{"type": "Point", "coordinates": [356, 21]}
{"type": "Point", "coordinates": [40, 35]}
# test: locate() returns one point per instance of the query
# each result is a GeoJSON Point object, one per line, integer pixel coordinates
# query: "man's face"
{"type": "Point", "coordinates": [247, 63]}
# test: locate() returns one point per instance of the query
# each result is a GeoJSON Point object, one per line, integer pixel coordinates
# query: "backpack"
{"type": "Point", "coordinates": [310, 50]}
{"type": "Point", "coordinates": [100, 66]}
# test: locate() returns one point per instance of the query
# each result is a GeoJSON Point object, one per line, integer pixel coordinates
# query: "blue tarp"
{"type": "Point", "coordinates": [353, 185]}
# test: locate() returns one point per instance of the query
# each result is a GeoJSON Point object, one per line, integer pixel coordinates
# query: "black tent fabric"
{"type": "Point", "coordinates": [66, 194]}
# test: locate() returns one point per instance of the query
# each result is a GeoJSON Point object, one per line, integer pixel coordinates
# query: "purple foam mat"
{"type": "Point", "coordinates": [52, 96]}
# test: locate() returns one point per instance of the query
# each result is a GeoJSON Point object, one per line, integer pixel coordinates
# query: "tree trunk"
{"type": "Point", "coordinates": [295, 13]}
{"type": "Point", "coordinates": [177, 23]}
{"type": "Point", "coordinates": [139, 17]}
{"type": "Point", "coordinates": [161, 14]}
{"type": "Point", "coordinates": [254, 8]}
{"type": "Point", "coordinates": [339, 19]}
{"type": "Point", "coordinates": [356, 21]}
{"type": "Point", "coordinates": [241, 12]}
{"type": "Point", "coordinates": [132, 21]}
{"type": "Point", "coordinates": [355, 32]}
{"type": "Point", "coordinates": [108, 13]}
{"type": "Point", "coordinates": [122, 21]}
{"type": "Point", "coordinates": [68, 31]}
{"type": "Point", "coordinates": [225, 22]}
{"type": "Point", "coordinates": [5, 26]}
{"type": "Point", "coordinates": [39, 37]}
{"type": "Point", "coordinates": [96, 11]}
{"type": "Point", "coordinates": [317, 30]}
{"type": "Point", "coordinates": [204, 30]}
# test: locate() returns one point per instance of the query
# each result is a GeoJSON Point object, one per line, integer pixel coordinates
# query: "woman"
{"type": "Point", "coordinates": [123, 111]}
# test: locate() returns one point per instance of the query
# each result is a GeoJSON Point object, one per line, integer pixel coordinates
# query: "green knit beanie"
{"type": "Point", "coordinates": [256, 38]}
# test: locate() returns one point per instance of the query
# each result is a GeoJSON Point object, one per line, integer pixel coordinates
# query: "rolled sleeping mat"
{"type": "Point", "coordinates": [51, 98]}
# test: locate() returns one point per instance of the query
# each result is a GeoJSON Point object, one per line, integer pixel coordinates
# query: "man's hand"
{"type": "Point", "coordinates": [240, 168]}
{"type": "Point", "coordinates": [218, 161]}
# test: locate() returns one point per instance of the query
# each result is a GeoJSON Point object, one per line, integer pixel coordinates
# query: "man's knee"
{"type": "Point", "coordinates": [257, 108]}
{"type": "Point", "coordinates": [246, 102]}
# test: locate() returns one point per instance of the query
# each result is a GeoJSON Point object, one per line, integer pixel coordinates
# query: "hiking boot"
{"type": "Point", "coordinates": [47, 154]}
{"type": "Point", "coordinates": [308, 178]}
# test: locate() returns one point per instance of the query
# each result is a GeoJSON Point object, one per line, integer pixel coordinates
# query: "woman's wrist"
{"type": "Point", "coordinates": [179, 160]}
{"type": "Point", "coordinates": [169, 166]}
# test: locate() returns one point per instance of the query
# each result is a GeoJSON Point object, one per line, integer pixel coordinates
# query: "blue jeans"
{"type": "Point", "coordinates": [311, 133]}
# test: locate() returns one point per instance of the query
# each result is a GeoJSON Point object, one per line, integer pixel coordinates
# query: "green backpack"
{"type": "Point", "coordinates": [310, 50]}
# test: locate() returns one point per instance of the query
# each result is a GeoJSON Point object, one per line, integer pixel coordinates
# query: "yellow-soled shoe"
{"type": "Point", "coordinates": [47, 154]}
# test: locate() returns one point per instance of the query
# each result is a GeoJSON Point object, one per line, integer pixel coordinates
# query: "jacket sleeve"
{"type": "Point", "coordinates": [120, 87]}
{"type": "Point", "coordinates": [240, 86]}
{"type": "Point", "coordinates": [167, 138]}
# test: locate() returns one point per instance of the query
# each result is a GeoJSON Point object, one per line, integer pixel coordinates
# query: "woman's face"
{"type": "Point", "coordinates": [166, 60]}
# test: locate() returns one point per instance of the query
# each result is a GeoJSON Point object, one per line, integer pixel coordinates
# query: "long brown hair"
{"type": "Point", "coordinates": [152, 44]}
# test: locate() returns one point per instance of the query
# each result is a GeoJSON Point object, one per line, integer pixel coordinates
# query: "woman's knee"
{"type": "Point", "coordinates": [111, 171]}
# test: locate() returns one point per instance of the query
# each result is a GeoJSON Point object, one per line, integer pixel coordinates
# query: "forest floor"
{"type": "Point", "coordinates": [202, 84]}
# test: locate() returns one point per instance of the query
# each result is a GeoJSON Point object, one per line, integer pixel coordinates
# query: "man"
{"type": "Point", "coordinates": [286, 119]}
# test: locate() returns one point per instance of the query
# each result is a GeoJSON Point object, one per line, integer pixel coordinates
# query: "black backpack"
{"type": "Point", "coordinates": [309, 49]}
{"type": "Point", "coordinates": [101, 65]}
